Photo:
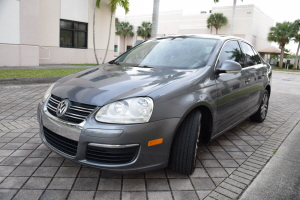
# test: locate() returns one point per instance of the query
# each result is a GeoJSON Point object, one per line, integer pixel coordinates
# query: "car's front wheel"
{"type": "Point", "coordinates": [184, 149]}
{"type": "Point", "coordinates": [261, 114]}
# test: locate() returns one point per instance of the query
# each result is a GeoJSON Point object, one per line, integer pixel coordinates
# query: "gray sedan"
{"type": "Point", "coordinates": [151, 107]}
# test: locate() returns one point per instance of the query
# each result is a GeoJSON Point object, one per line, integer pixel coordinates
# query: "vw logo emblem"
{"type": "Point", "coordinates": [62, 107]}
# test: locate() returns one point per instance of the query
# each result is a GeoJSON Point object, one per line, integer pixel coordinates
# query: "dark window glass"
{"type": "Point", "coordinates": [73, 34]}
{"type": "Point", "coordinates": [129, 47]}
{"type": "Point", "coordinates": [116, 48]}
{"type": "Point", "coordinates": [80, 39]}
{"type": "Point", "coordinates": [257, 57]}
{"type": "Point", "coordinates": [231, 51]}
{"type": "Point", "coordinates": [66, 38]}
{"type": "Point", "coordinates": [249, 54]}
{"type": "Point", "coordinates": [82, 27]}
{"type": "Point", "coordinates": [66, 24]}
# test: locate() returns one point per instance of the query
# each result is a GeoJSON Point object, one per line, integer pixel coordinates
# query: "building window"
{"type": "Point", "coordinates": [73, 34]}
{"type": "Point", "coordinates": [128, 47]}
{"type": "Point", "coordinates": [116, 48]}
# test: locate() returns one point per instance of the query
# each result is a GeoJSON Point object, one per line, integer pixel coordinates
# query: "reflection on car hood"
{"type": "Point", "coordinates": [108, 83]}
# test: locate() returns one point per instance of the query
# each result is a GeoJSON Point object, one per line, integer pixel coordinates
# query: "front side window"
{"type": "Point", "coordinates": [249, 54]}
{"type": "Point", "coordinates": [256, 56]}
{"type": "Point", "coordinates": [231, 51]}
{"type": "Point", "coordinates": [73, 34]}
{"type": "Point", "coordinates": [173, 52]}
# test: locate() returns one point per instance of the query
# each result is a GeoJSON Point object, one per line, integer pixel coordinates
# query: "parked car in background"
{"type": "Point", "coordinates": [150, 107]}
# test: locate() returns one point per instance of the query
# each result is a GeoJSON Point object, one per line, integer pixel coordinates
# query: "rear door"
{"type": "Point", "coordinates": [232, 97]}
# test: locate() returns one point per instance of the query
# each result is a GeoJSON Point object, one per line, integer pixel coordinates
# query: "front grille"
{"type": "Point", "coordinates": [62, 144]}
{"type": "Point", "coordinates": [76, 113]}
{"type": "Point", "coordinates": [111, 155]}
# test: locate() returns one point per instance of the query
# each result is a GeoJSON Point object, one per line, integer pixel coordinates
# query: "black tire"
{"type": "Point", "coordinates": [184, 149]}
{"type": "Point", "coordinates": [261, 114]}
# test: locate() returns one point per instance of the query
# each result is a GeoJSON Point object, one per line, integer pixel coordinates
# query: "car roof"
{"type": "Point", "coordinates": [208, 36]}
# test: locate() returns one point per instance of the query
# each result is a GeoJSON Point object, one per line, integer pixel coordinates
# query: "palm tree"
{"type": "Point", "coordinates": [233, 14]}
{"type": "Point", "coordinates": [209, 25]}
{"type": "Point", "coordinates": [296, 38]}
{"type": "Point", "coordinates": [124, 29]}
{"type": "Point", "coordinates": [282, 34]}
{"type": "Point", "coordinates": [98, 4]}
{"type": "Point", "coordinates": [144, 30]}
{"type": "Point", "coordinates": [155, 15]}
{"type": "Point", "coordinates": [113, 6]}
{"type": "Point", "coordinates": [216, 20]}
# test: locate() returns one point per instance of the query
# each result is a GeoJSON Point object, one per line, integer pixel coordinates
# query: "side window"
{"type": "Point", "coordinates": [257, 57]}
{"type": "Point", "coordinates": [231, 51]}
{"type": "Point", "coordinates": [249, 54]}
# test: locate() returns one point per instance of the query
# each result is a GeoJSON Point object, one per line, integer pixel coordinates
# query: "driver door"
{"type": "Point", "coordinates": [232, 94]}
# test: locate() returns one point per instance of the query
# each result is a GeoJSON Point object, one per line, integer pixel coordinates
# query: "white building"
{"type": "Point", "coordinates": [250, 24]}
{"type": "Point", "coordinates": [35, 32]}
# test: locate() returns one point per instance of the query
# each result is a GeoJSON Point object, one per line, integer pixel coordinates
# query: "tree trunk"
{"type": "Point", "coordinates": [94, 33]}
{"type": "Point", "coordinates": [125, 44]}
{"type": "Point", "coordinates": [281, 57]}
{"type": "Point", "coordinates": [155, 15]}
{"type": "Point", "coordinates": [111, 16]}
{"type": "Point", "coordinates": [233, 15]}
{"type": "Point", "coordinates": [216, 31]}
{"type": "Point", "coordinates": [296, 59]}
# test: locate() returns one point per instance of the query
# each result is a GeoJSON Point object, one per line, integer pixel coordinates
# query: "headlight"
{"type": "Point", "coordinates": [128, 111]}
{"type": "Point", "coordinates": [48, 92]}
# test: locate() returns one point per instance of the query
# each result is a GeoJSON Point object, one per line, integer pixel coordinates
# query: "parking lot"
{"type": "Point", "coordinates": [225, 167]}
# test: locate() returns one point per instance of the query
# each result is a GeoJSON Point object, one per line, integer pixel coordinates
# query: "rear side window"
{"type": "Point", "coordinates": [251, 58]}
{"type": "Point", "coordinates": [231, 51]}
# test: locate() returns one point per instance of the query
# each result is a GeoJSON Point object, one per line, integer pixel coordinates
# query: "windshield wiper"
{"type": "Point", "coordinates": [143, 66]}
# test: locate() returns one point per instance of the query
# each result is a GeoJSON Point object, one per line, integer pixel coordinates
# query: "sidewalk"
{"type": "Point", "coordinates": [280, 178]}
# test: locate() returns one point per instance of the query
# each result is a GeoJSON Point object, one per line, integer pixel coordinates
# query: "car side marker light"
{"type": "Point", "coordinates": [155, 142]}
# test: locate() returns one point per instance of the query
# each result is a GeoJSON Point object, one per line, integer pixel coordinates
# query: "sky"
{"type": "Point", "coordinates": [279, 11]}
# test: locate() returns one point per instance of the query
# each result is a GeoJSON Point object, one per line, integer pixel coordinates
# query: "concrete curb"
{"type": "Point", "coordinates": [296, 73]}
{"type": "Point", "coordinates": [26, 81]}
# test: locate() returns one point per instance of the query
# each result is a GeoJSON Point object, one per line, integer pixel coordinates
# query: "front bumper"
{"type": "Point", "coordinates": [91, 132]}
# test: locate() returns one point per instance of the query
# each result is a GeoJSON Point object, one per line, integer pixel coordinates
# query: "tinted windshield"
{"type": "Point", "coordinates": [181, 53]}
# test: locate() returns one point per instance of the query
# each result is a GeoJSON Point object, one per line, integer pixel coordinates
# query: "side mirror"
{"type": "Point", "coordinates": [229, 66]}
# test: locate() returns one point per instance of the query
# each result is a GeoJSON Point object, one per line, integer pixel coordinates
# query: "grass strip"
{"type": "Point", "coordinates": [29, 73]}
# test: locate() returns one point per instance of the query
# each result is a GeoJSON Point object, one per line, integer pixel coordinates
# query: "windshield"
{"type": "Point", "coordinates": [181, 53]}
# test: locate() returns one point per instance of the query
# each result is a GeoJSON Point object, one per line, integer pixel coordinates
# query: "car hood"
{"type": "Point", "coordinates": [108, 83]}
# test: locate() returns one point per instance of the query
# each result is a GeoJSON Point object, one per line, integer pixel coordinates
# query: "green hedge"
{"type": "Point", "coordinates": [283, 65]}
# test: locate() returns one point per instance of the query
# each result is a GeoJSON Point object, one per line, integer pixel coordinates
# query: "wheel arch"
{"type": "Point", "coordinates": [206, 121]}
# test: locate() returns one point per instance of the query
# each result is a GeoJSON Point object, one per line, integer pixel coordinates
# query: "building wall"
{"type": "Point", "coordinates": [74, 55]}
{"type": "Point", "coordinates": [19, 35]}
{"type": "Point", "coordinates": [32, 31]}
{"type": "Point", "coordinates": [75, 10]}
{"type": "Point", "coordinates": [9, 22]}
{"type": "Point", "coordinates": [250, 24]}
